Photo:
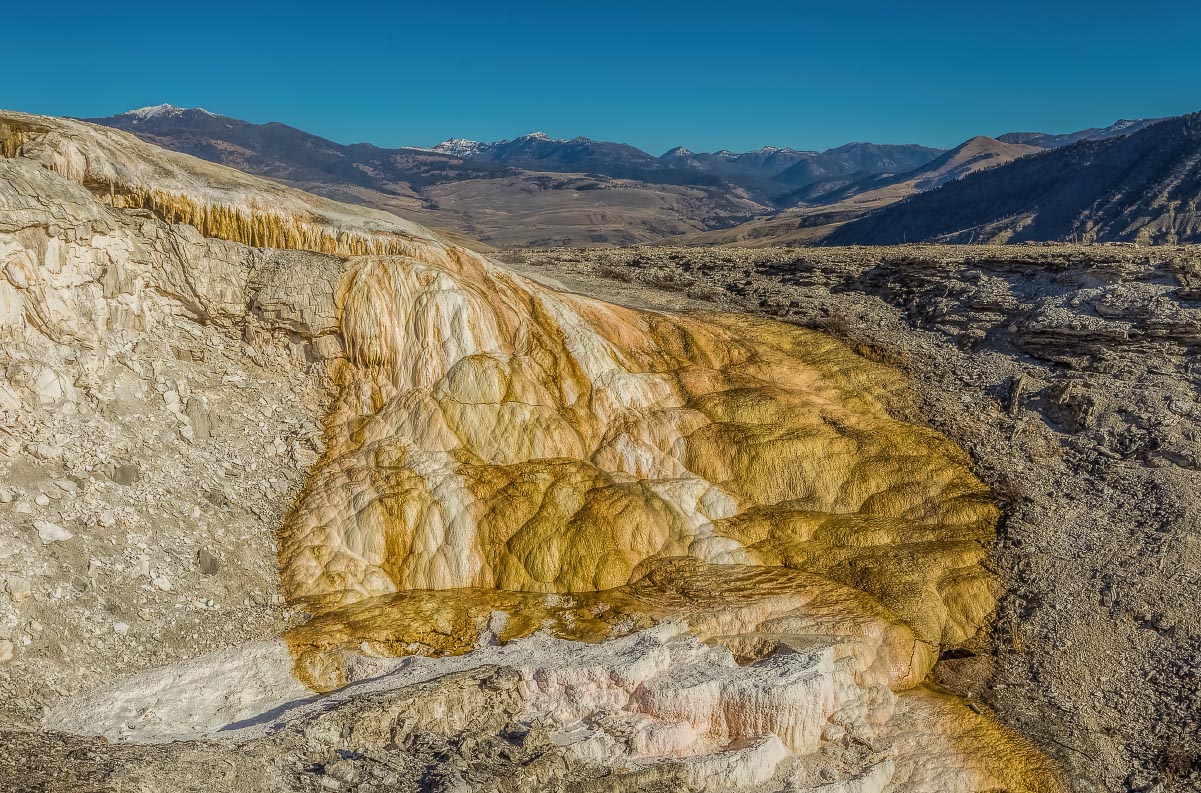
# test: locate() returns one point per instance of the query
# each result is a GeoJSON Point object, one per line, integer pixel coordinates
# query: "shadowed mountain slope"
{"type": "Point", "coordinates": [858, 158]}
{"type": "Point", "coordinates": [1044, 140]}
{"type": "Point", "coordinates": [823, 206]}
{"type": "Point", "coordinates": [971, 156]}
{"type": "Point", "coordinates": [1141, 188]}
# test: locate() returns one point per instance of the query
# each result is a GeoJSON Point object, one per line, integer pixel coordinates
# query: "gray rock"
{"type": "Point", "coordinates": [207, 563]}
{"type": "Point", "coordinates": [51, 532]}
{"type": "Point", "coordinates": [44, 451]}
{"type": "Point", "coordinates": [126, 474]}
{"type": "Point", "coordinates": [198, 416]}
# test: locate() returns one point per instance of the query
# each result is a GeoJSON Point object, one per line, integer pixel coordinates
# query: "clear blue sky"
{"type": "Point", "coordinates": [701, 74]}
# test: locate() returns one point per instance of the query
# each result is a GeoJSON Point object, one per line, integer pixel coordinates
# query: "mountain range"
{"type": "Point", "coordinates": [822, 206]}
{"type": "Point", "coordinates": [1142, 188]}
{"type": "Point", "coordinates": [279, 151]}
{"type": "Point", "coordinates": [1123, 126]}
{"type": "Point", "coordinates": [539, 191]}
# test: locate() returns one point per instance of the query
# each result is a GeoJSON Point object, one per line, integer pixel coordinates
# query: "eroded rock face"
{"type": "Point", "coordinates": [694, 546]}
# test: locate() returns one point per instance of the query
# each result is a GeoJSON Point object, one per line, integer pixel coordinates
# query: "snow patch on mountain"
{"type": "Point", "coordinates": [156, 111]}
{"type": "Point", "coordinates": [461, 147]}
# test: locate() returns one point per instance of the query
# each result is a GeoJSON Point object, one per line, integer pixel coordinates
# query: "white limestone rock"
{"type": "Point", "coordinates": [51, 532]}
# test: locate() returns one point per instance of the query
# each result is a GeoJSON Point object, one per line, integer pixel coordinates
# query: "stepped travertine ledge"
{"type": "Point", "coordinates": [688, 550]}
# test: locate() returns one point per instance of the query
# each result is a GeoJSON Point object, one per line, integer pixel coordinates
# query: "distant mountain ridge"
{"type": "Point", "coordinates": [535, 190]}
{"type": "Point", "coordinates": [756, 168]}
{"type": "Point", "coordinates": [817, 209]}
{"type": "Point", "coordinates": [269, 148]}
{"type": "Point", "coordinates": [538, 151]}
{"type": "Point", "coordinates": [282, 152]}
{"type": "Point", "coordinates": [758, 171]}
{"type": "Point", "coordinates": [857, 158]}
{"type": "Point", "coordinates": [1043, 140]}
{"type": "Point", "coordinates": [1143, 187]}
{"type": "Point", "coordinates": [968, 157]}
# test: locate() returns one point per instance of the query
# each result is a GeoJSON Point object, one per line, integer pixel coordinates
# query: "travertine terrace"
{"type": "Point", "coordinates": [693, 544]}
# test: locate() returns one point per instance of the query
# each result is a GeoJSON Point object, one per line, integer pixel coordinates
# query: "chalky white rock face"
{"type": "Point", "coordinates": [157, 411]}
{"type": "Point", "coordinates": [692, 540]}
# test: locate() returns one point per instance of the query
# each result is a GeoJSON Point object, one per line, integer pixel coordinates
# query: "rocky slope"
{"type": "Point", "coordinates": [1068, 372]}
{"type": "Point", "coordinates": [702, 551]}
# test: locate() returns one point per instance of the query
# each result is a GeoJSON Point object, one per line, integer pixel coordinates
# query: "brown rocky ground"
{"type": "Point", "coordinates": [1071, 375]}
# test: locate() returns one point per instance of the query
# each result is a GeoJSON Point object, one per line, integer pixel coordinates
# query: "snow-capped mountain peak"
{"type": "Point", "coordinates": [1126, 123]}
{"type": "Point", "coordinates": [157, 111]}
{"type": "Point", "coordinates": [461, 147]}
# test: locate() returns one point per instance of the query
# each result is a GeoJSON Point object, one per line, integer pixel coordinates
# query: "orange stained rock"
{"type": "Point", "coordinates": [751, 610]}
{"type": "Point", "coordinates": [494, 433]}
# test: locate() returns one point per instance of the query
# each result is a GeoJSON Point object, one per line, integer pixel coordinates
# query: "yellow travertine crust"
{"type": "Point", "coordinates": [505, 459]}
{"type": "Point", "coordinates": [493, 433]}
